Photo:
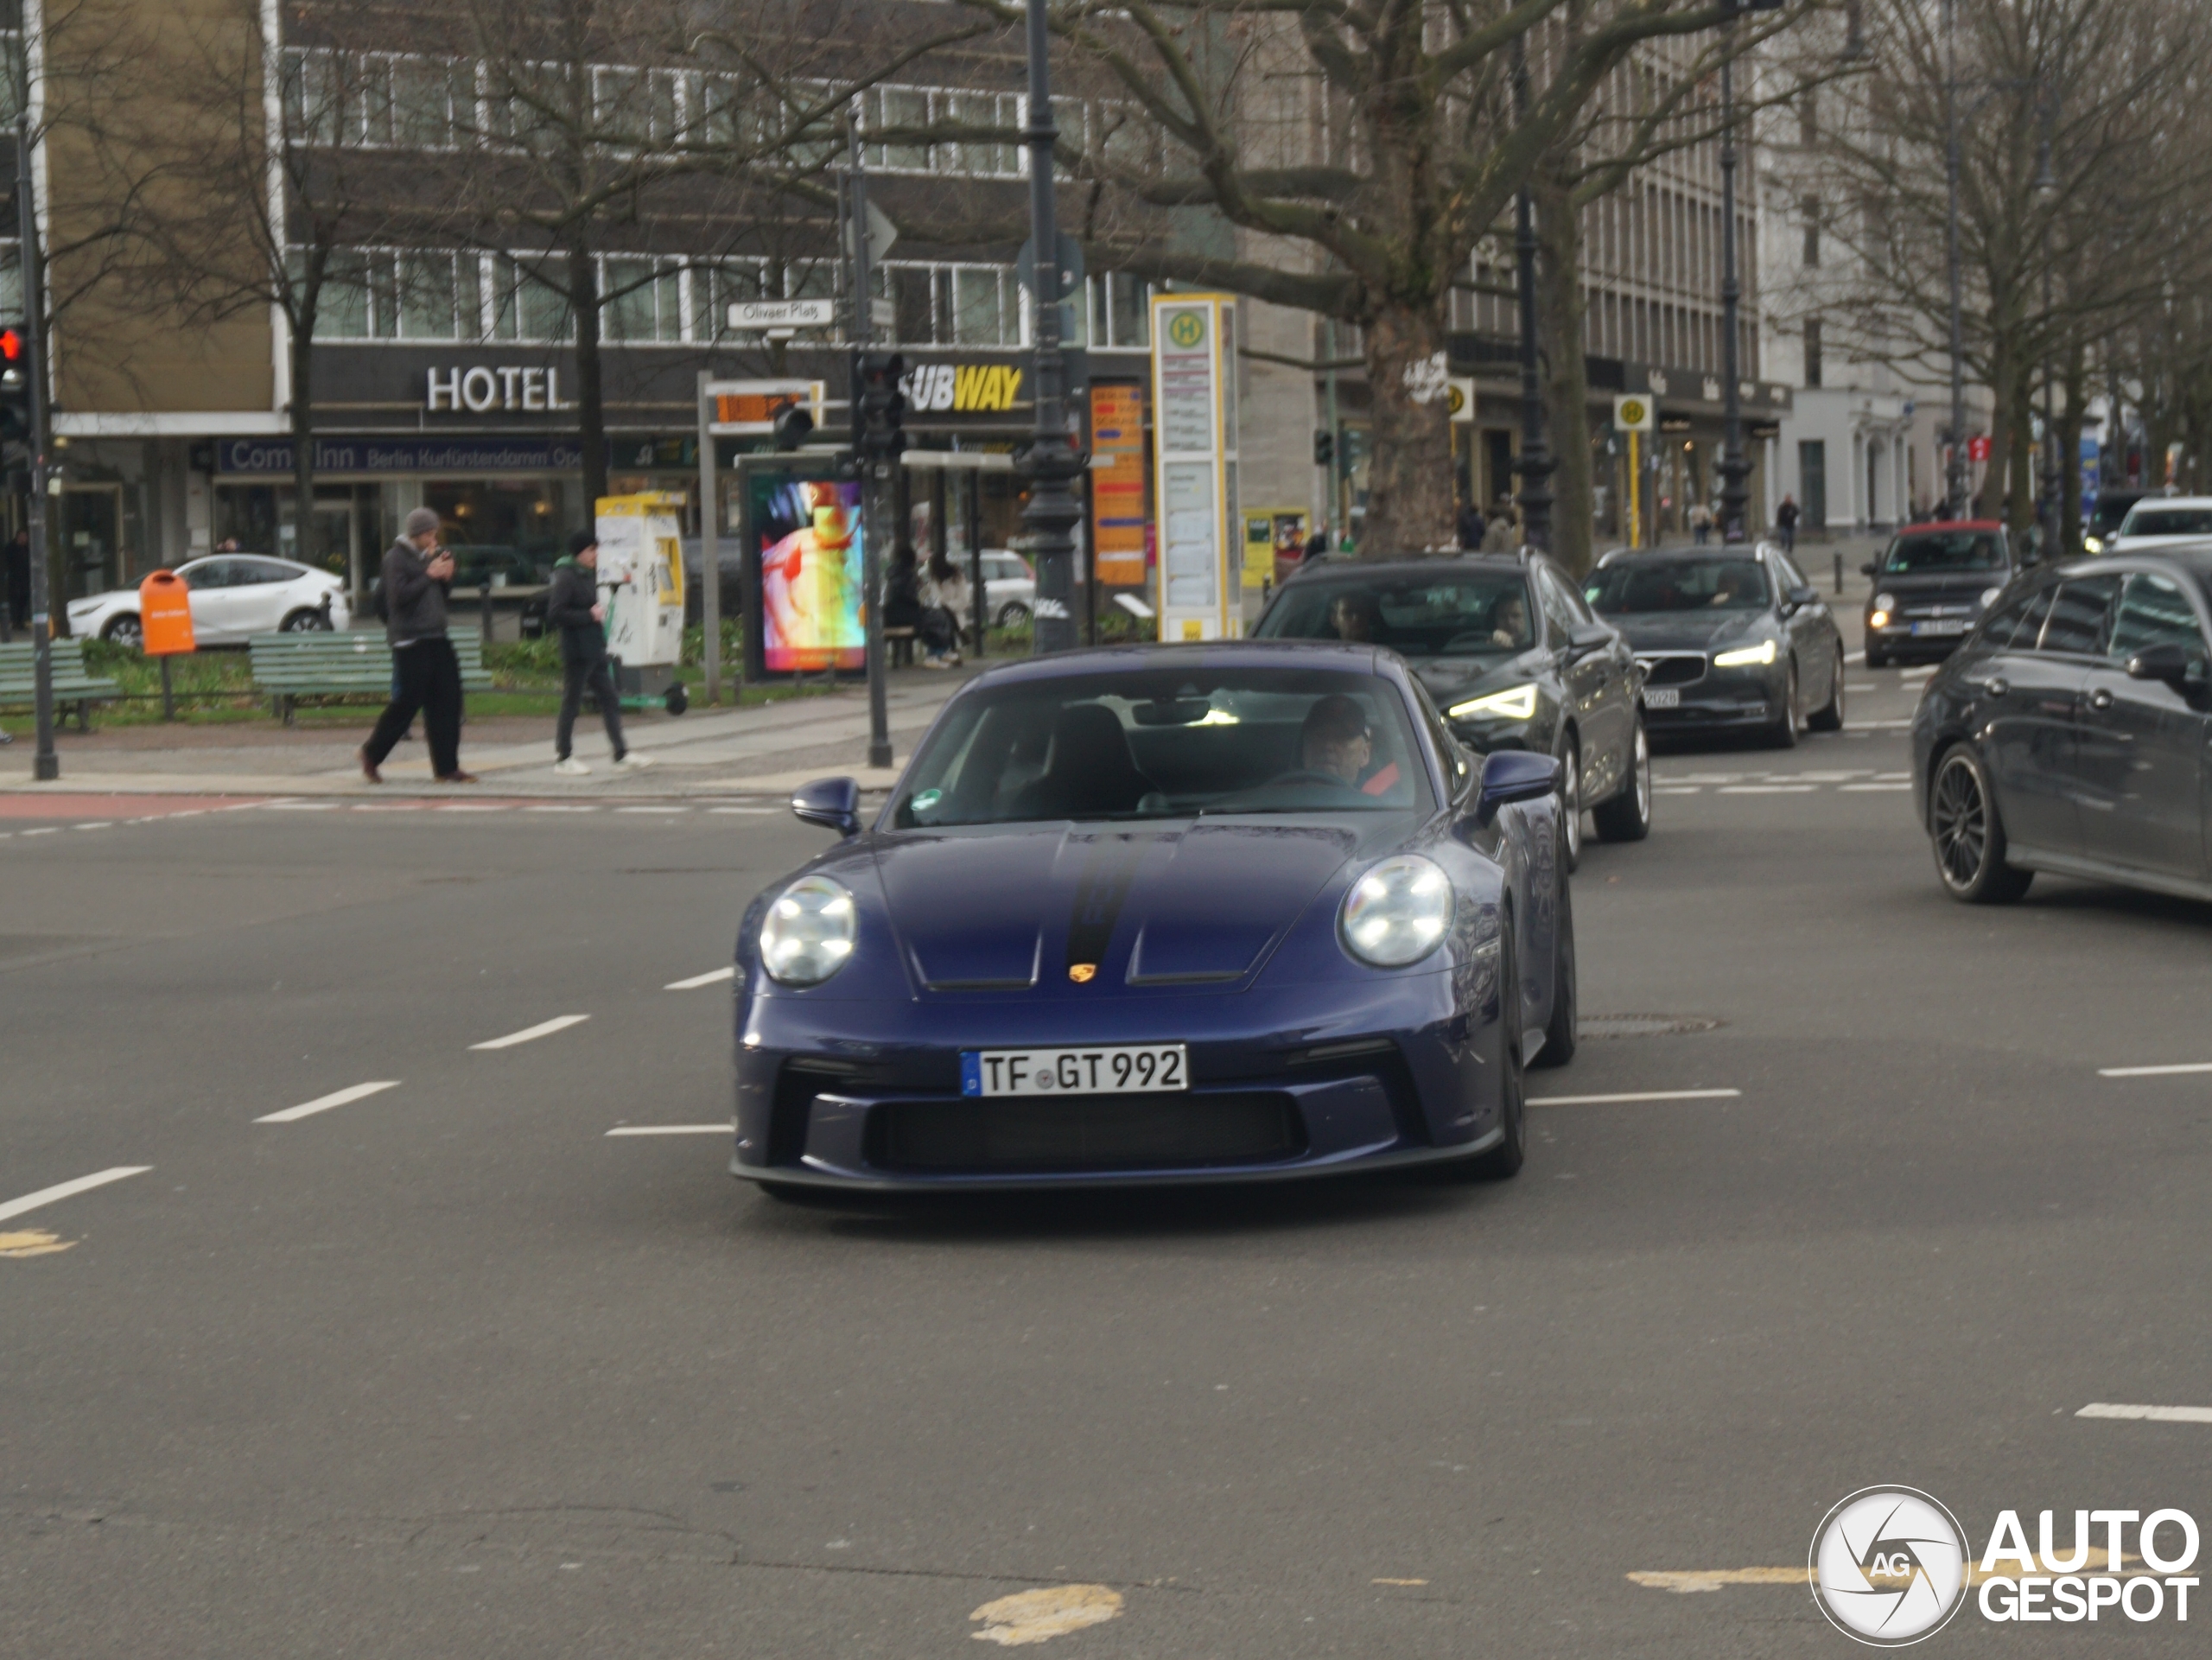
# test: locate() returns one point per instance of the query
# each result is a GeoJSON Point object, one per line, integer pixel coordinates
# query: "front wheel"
{"type": "Point", "coordinates": [126, 631]}
{"type": "Point", "coordinates": [1829, 716]}
{"type": "Point", "coordinates": [1013, 614]}
{"type": "Point", "coordinates": [1570, 804]}
{"type": "Point", "coordinates": [304, 621]}
{"type": "Point", "coordinates": [1563, 1031]}
{"type": "Point", "coordinates": [1968, 836]}
{"type": "Point", "coordinates": [1783, 735]}
{"type": "Point", "coordinates": [1505, 1159]}
{"type": "Point", "coordinates": [1627, 817]}
{"type": "Point", "coordinates": [678, 699]}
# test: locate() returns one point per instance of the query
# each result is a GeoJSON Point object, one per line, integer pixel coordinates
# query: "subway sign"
{"type": "Point", "coordinates": [961, 388]}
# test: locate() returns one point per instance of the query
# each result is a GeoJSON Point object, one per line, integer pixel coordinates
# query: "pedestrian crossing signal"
{"type": "Point", "coordinates": [15, 385]}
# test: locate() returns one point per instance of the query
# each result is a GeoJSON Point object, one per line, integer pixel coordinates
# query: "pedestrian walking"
{"type": "Point", "coordinates": [1785, 520]}
{"type": "Point", "coordinates": [1471, 527]}
{"type": "Point", "coordinates": [1503, 535]}
{"type": "Point", "coordinates": [417, 575]}
{"type": "Point", "coordinates": [573, 605]}
{"type": "Point", "coordinates": [944, 599]}
{"type": "Point", "coordinates": [1700, 516]}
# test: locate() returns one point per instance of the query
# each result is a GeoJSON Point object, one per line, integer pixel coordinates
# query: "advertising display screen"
{"type": "Point", "coordinates": [811, 578]}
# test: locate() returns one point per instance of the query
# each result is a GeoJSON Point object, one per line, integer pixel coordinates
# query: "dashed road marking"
{"type": "Point", "coordinates": [61, 1190]}
{"type": "Point", "coordinates": [1768, 789]}
{"type": "Point", "coordinates": [1685, 1582]}
{"type": "Point", "coordinates": [652, 809]}
{"type": "Point", "coordinates": [698, 980]}
{"type": "Point", "coordinates": [324, 1102]}
{"type": "Point", "coordinates": [2155, 1414]}
{"type": "Point", "coordinates": [1640, 1095]}
{"type": "Point", "coordinates": [2156, 1072]}
{"type": "Point", "coordinates": [1848, 788]}
{"type": "Point", "coordinates": [747, 811]}
{"type": "Point", "coordinates": [543, 1029]}
{"type": "Point", "coordinates": [671, 1130]}
{"type": "Point", "coordinates": [97, 823]}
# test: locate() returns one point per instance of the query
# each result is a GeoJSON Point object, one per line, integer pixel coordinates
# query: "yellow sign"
{"type": "Point", "coordinates": [1188, 329]}
{"type": "Point", "coordinates": [1633, 413]}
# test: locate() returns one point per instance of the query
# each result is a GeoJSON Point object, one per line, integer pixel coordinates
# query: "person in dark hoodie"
{"type": "Point", "coordinates": [573, 605]}
{"type": "Point", "coordinates": [417, 577]}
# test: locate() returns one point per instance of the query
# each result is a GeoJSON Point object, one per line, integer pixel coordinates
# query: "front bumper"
{"type": "Point", "coordinates": [1401, 1078]}
{"type": "Point", "coordinates": [1721, 700]}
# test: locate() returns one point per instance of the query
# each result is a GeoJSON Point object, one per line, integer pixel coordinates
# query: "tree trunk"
{"type": "Point", "coordinates": [2020, 497]}
{"type": "Point", "coordinates": [1409, 455]}
{"type": "Point", "coordinates": [1988, 502]}
{"type": "Point", "coordinates": [302, 354]}
{"type": "Point", "coordinates": [1560, 322]}
{"type": "Point", "coordinates": [591, 396]}
{"type": "Point", "coordinates": [2066, 535]}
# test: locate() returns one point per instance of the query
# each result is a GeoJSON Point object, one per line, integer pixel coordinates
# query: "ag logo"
{"type": "Point", "coordinates": [1889, 1566]}
{"type": "Point", "coordinates": [1188, 329]}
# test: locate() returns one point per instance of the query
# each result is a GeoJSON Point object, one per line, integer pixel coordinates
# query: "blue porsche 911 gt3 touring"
{"type": "Point", "coordinates": [1223, 913]}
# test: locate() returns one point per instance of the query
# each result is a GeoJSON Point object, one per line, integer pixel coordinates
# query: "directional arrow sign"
{"type": "Point", "coordinates": [783, 314]}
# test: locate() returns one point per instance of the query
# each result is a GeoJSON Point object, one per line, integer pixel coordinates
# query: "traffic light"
{"type": "Point", "coordinates": [15, 385]}
{"type": "Point", "coordinates": [1324, 447]}
{"type": "Point", "coordinates": [792, 426]}
{"type": "Point", "coordinates": [882, 406]}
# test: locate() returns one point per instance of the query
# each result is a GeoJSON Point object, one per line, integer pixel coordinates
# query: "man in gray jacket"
{"type": "Point", "coordinates": [417, 575]}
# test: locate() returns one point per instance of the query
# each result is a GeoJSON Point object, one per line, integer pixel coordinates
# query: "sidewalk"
{"type": "Point", "coordinates": [769, 749]}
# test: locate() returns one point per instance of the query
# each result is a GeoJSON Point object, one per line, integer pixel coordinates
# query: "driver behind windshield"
{"type": "Point", "coordinates": [1732, 588]}
{"type": "Point", "coordinates": [1508, 621]}
{"type": "Point", "coordinates": [1352, 616]}
{"type": "Point", "coordinates": [1335, 739]}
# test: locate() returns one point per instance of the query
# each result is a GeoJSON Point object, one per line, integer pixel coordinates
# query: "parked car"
{"type": "Point", "coordinates": [1242, 911]}
{"type": "Point", "coordinates": [2158, 521]}
{"type": "Point", "coordinates": [1009, 587]}
{"type": "Point", "coordinates": [1931, 585]}
{"type": "Point", "coordinates": [2069, 733]}
{"type": "Point", "coordinates": [1511, 655]}
{"type": "Point", "coordinates": [233, 596]}
{"type": "Point", "coordinates": [1730, 639]}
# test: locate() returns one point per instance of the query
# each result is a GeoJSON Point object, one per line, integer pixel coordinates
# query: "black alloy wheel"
{"type": "Point", "coordinates": [125, 631]}
{"type": "Point", "coordinates": [1967, 835]}
{"type": "Point", "coordinates": [1563, 1031]}
{"type": "Point", "coordinates": [304, 621]}
{"type": "Point", "coordinates": [1570, 803]}
{"type": "Point", "coordinates": [1783, 735]}
{"type": "Point", "coordinates": [1013, 614]}
{"type": "Point", "coordinates": [1627, 817]}
{"type": "Point", "coordinates": [1505, 1159]}
{"type": "Point", "coordinates": [1829, 716]}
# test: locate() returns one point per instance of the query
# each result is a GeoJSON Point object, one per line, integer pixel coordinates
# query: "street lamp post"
{"type": "Point", "coordinates": [1051, 513]}
{"type": "Point", "coordinates": [1734, 468]}
{"type": "Point", "coordinates": [1535, 464]}
{"type": "Point", "coordinates": [1955, 476]}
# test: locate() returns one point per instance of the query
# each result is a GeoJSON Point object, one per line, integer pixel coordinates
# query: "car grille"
{"type": "Point", "coordinates": [1084, 1133]}
{"type": "Point", "coordinates": [1674, 669]}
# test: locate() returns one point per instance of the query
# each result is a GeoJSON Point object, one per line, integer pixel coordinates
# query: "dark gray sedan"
{"type": "Point", "coordinates": [1731, 639]}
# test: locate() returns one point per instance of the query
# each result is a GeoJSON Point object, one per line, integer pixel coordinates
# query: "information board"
{"type": "Point", "coordinates": [1193, 357]}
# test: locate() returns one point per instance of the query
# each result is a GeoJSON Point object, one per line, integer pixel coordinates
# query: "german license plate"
{"type": "Point", "coordinates": [1103, 1069]}
{"type": "Point", "coordinates": [1662, 697]}
{"type": "Point", "coordinates": [1940, 628]}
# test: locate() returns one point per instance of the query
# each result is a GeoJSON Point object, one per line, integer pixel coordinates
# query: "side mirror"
{"type": "Point", "coordinates": [1866, 569]}
{"type": "Point", "coordinates": [832, 802]}
{"type": "Point", "coordinates": [1797, 599]}
{"type": "Point", "coordinates": [1587, 637]}
{"type": "Point", "coordinates": [2171, 665]}
{"type": "Point", "coordinates": [1513, 775]}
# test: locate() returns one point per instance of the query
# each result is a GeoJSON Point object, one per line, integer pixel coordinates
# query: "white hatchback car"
{"type": "Point", "coordinates": [2162, 521]}
{"type": "Point", "coordinates": [234, 597]}
{"type": "Point", "coordinates": [1010, 587]}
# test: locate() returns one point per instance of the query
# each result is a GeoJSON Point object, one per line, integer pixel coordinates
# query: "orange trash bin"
{"type": "Point", "coordinates": [165, 614]}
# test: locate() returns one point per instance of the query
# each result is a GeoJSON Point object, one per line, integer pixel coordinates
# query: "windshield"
{"type": "Point", "coordinates": [2147, 520]}
{"type": "Point", "coordinates": [1460, 614]}
{"type": "Point", "coordinates": [1168, 743]}
{"type": "Point", "coordinates": [2112, 508]}
{"type": "Point", "coordinates": [1941, 550]}
{"type": "Point", "coordinates": [1629, 587]}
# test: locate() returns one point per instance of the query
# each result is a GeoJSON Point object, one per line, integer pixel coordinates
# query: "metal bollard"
{"type": "Point", "coordinates": [1839, 570]}
{"type": "Point", "coordinates": [486, 592]}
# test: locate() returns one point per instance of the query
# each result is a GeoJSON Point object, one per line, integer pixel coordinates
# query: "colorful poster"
{"type": "Point", "coordinates": [1117, 478]}
{"type": "Point", "coordinates": [811, 578]}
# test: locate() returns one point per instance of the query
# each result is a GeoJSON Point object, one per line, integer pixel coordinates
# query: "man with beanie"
{"type": "Point", "coordinates": [573, 605]}
{"type": "Point", "coordinates": [417, 575]}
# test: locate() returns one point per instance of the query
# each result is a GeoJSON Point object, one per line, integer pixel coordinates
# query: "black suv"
{"type": "Point", "coordinates": [1509, 652]}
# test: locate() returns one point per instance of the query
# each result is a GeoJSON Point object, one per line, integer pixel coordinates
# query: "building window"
{"type": "Point", "coordinates": [1811, 210]}
{"type": "Point", "coordinates": [1809, 117]}
{"type": "Point", "coordinates": [983, 312]}
{"type": "Point", "coordinates": [1811, 351]}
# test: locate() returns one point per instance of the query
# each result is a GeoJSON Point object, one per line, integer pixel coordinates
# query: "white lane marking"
{"type": "Point", "coordinates": [69, 1189]}
{"type": "Point", "coordinates": [671, 1130]}
{"type": "Point", "coordinates": [543, 1029]}
{"type": "Point", "coordinates": [1678, 789]}
{"type": "Point", "coordinates": [2155, 1071]}
{"type": "Point", "coordinates": [698, 980]}
{"type": "Point", "coordinates": [324, 1102]}
{"type": "Point", "coordinates": [744, 810]}
{"type": "Point", "coordinates": [1645, 1095]}
{"type": "Point", "coordinates": [1887, 776]}
{"type": "Point", "coordinates": [1849, 788]}
{"type": "Point", "coordinates": [51, 829]}
{"type": "Point", "coordinates": [303, 806]}
{"type": "Point", "coordinates": [470, 806]}
{"type": "Point", "coordinates": [652, 809]}
{"type": "Point", "coordinates": [1767, 789]}
{"type": "Point", "coordinates": [2156, 1414]}
{"type": "Point", "coordinates": [1859, 657]}
{"type": "Point", "coordinates": [559, 810]}
{"type": "Point", "coordinates": [387, 806]}
{"type": "Point", "coordinates": [97, 823]}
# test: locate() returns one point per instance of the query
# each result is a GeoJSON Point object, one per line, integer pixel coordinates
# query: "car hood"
{"type": "Point", "coordinates": [1689, 631]}
{"type": "Point", "coordinates": [1451, 680]}
{"type": "Point", "coordinates": [1184, 906]}
{"type": "Point", "coordinates": [1942, 585]}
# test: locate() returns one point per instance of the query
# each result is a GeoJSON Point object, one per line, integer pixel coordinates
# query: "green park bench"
{"type": "Point", "coordinates": [287, 667]}
{"type": "Point", "coordinates": [71, 683]}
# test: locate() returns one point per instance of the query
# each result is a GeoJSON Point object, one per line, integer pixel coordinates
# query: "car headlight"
{"type": "Point", "coordinates": [1877, 619]}
{"type": "Point", "coordinates": [1514, 703]}
{"type": "Point", "coordinates": [1886, 603]}
{"type": "Point", "coordinates": [1744, 657]}
{"type": "Point", "coordinates": [1989, 596]}
{"type": "Point", "coordinates": [808, 934]}
{"type": "Point", "coordinates": [1398, 913]}
{"type": "Point", "coordinates": [2093, 544]}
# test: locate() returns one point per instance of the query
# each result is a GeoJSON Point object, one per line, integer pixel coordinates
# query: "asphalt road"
{"type": "Point", "coordinates": [448, 1370]}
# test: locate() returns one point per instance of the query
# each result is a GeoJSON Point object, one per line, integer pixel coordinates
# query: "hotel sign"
{"type": "Point", "coordinates": [502, 389]}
